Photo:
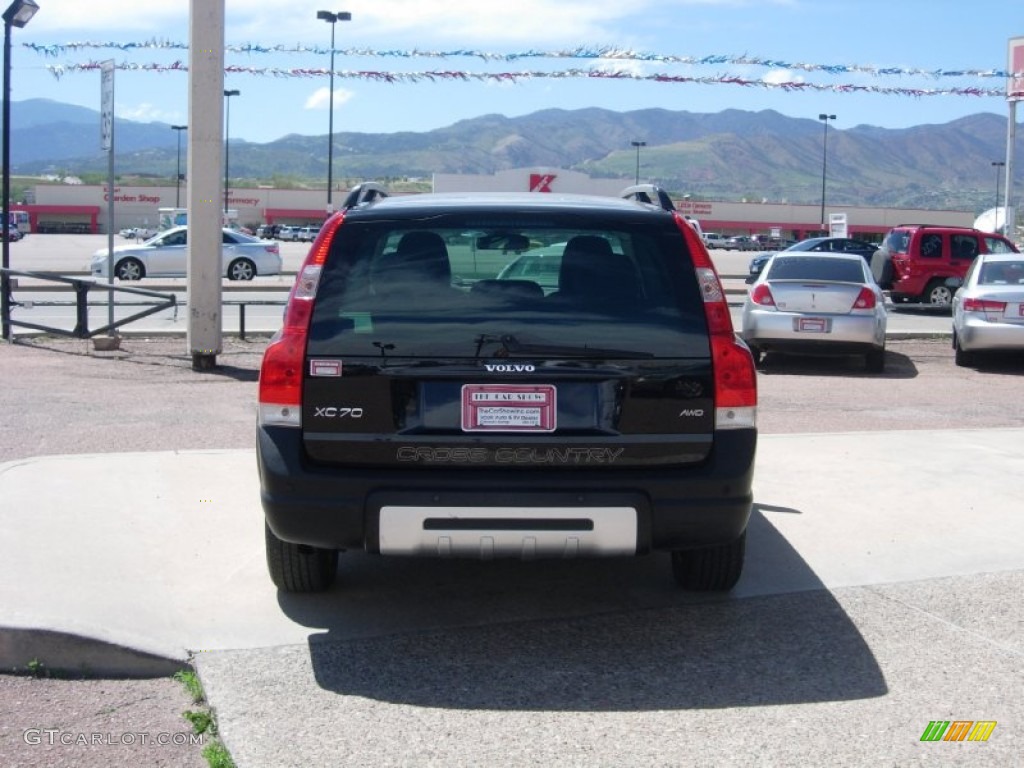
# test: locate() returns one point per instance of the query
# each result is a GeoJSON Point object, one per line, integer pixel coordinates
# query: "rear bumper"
{"type": "Point", "coordinates": [769, 330]}
{"type": "Point", "coordinates": [340, 508]}
{"type": "Point", "coordinates": [977, 335]}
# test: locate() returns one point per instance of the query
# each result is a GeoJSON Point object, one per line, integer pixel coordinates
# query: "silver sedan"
{"type": "Point", "coordinates": [988, 310]}
{"type": "Point", "coordinates": [165, 255]}
{"type": "Point", "coordinates": [827, 304]}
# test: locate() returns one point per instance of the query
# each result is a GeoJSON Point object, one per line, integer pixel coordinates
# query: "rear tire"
{"type": "Point", "coordinates": [938, 294]}
{"type": "Point", "coordinates": [241, 269]}
{"type": "Point", "coordinates": [710, 569]}
{"type": "Point", "coordinates": [298, 567]}
{"type": "Point", "coordinates": [962, 358]}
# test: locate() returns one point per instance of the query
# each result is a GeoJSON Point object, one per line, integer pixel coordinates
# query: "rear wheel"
{"type": "Point", "coordinates": [710, 569]}
{"type": "Point", "coordinates": [938, 294]}
{"type": "Point", "coordinates": [961, 357]}
{"type": "Point", "coordinates": [298, 567]}
{"type": "Point", "coordinates": [129, 269]}
{"type": "Point", "coordinates": [241, 269]}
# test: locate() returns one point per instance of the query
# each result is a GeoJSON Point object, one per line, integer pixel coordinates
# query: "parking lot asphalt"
{"type": "Point", "coordinates": [863, 614]}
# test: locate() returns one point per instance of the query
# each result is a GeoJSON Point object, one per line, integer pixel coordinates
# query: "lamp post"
{"type": "Point", "coordinates": [824, 165]}
{"type": "Point", "coordinates": [638, 144]}
{"type": "Point", "coordinates": [331, 18]}
{"type": "Point", "coordinates": [18, 14]}
{"type": "Point", "coordinates": [227, 136]}
{"type": "Point", "coordinates": [177, 176]}
{"type": "Point", "coordinates": [998, 165]}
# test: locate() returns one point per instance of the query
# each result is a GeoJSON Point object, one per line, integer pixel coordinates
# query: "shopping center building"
{"type": "Point", "coordinates": [84, 208]}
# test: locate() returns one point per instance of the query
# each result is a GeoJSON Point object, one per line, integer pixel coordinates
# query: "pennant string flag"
{"type": "Point", "coordinates": [593, 53]}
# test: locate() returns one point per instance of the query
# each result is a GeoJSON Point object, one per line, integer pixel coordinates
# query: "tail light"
{"type": "Point", "coordinates": [762, 295]}
{"type": "Point", "coordinates": [984, 305]}
{"type": "Point", "coordinates": [865, 299]}
{"type": "Point", "coordinates": [993, 310]}
{"type": "Point", "coordinates": [731, 361]}
{"type": "Point", "coordinates": [280, 391]}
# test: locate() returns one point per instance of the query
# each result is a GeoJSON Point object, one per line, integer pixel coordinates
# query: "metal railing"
{"type": "Point", "coordinates": [81, 288]}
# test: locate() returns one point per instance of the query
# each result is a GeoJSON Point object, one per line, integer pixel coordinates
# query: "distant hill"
{"type": "Point", "coordinates": [729, 155]}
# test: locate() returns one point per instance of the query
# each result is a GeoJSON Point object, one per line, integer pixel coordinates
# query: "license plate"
{"type": "Point", "coordinates": [813, 325]}
{"type": "Point", "coordinates": [508, 408]}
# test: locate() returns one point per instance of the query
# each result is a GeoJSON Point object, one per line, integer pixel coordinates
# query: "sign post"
{"type": "Point", "coordinates": [1014, 93]}
{"type": "Point", "coordinates": [107, 144]}
{"type": "Point", "coordinates": [837, 226]}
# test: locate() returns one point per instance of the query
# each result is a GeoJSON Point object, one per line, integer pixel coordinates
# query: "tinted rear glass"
{"type": "Point", "coordinates": [897, 241]}
{"type": "Point", "coordinates": [816, 268]}
{"type": "Point", "coordinates": [491, 284]}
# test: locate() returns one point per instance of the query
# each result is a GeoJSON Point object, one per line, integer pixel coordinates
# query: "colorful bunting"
{"type": "Point", "coordinates": [603, 52]}
{"type": "Point", "coordinates": [512, 77]}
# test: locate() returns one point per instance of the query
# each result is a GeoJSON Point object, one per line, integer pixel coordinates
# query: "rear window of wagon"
{"type": "Point", "coordinates": [430, 287]}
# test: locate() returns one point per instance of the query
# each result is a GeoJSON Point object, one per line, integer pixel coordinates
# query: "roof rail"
{"type": "Point", "coordinates": [649, 193]}
{"type": "Point", "coordinates": [366, 192]}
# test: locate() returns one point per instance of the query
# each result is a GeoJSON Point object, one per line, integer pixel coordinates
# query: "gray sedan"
{"type": "Point", "coordinates": [826, 304]}
{"type": "Point", "coordinates": [988, 310]}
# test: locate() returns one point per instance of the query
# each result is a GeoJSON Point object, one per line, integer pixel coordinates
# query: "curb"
{"type": "Point", "coordinates": [69, 654]}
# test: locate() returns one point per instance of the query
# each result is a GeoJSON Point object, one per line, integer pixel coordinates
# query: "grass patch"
{"type": "Point", "coordinates": [203, 721]}
{"type": "Point", "coordinates": [217, 756]}
{"type": "Point", "coordinates": [190, 680]}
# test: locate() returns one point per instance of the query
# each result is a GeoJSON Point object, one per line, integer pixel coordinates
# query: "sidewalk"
{"type": "Point", "coordinates": [147, 557]}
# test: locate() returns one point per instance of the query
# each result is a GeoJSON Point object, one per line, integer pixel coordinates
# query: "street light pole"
{"type": "Point", "coordinates": [227, 137]}
{"type": "Point", "coordinates": [638, 144]}
{"type": "Point", "coordinates": [18, 14]}
{"type": "Point", "coordinates": [331, 18]}
{"type": "Point", "coordinates": [824, 165]}
{"type": "Point", "coordinates": [177, 176]}
{"type": "Point", "coordinates": [999, 165]}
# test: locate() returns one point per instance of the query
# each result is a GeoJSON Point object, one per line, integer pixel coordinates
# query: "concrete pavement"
{"type": "Point", "coordinates": [881, 592]}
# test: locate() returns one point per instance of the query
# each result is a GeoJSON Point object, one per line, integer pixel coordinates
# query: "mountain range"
{"type": "Point", "coordinates": [728, 155]}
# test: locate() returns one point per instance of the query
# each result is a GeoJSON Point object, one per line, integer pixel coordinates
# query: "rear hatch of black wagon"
{"type": "Point", "coordinates": [479, 337]}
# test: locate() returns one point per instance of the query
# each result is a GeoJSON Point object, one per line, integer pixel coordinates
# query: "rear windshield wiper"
{"type": "Point", "coordinates": [512, 346]}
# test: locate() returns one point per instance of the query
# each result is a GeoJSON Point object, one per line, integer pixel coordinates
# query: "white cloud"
{"type": "Point", "coordinates": [147, 113]}
{"type": "Point", "coordinates": [779, 76]}
{"type": "Point", "coordinates": [320, 98]}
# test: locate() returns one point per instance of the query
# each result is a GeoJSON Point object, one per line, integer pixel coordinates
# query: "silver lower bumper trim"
{"type": "Point", "coordinates": [521, 532]}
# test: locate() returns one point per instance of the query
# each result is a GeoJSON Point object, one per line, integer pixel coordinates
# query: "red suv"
{"type": "Point", "coordinates": [921, 262]}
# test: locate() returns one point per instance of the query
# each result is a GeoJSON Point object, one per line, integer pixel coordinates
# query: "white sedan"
{"type": "Point", "coordinates": [988, 310]}
{"type": "Point", "coordinates": [808, 303]}
{"type": "Point", "coordinates": [164, 255]}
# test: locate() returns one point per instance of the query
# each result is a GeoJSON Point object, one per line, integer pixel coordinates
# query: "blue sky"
{"type": "Point", "coordinates": [797, 36]}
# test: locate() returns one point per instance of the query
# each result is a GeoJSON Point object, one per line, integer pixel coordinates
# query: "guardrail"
{"type": "Point", "coordinates": [81, 288]}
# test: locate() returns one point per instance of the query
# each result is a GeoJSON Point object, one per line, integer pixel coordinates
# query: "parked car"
{"type": "Point", "coordinates": [244, 257]}
{"type": "Point", "coordinates": [817, 244]}
{"type": "Point", "coordinates": [811, 303]}
{"type": "Point", "coordinates": [988, 310]}
{"type": "Point", "coordinates": [741, 243]}
{"type": "Point", "coordinates": [715, 240]}
{"type": "Point", "coordinates": [138, 233]}
{"type": "Point", "coordinates": [540, 265]}
{"type": "Point", "coordinates": [308, 234]}
{"type": "Point", "coordinates": [925, 263]}
{"type": "Point", "coordinates": [406, 410]}
{"type": "Point", "coordinates": [13, 234]}
{"type": "Point", "coordinates": [288, 233]}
